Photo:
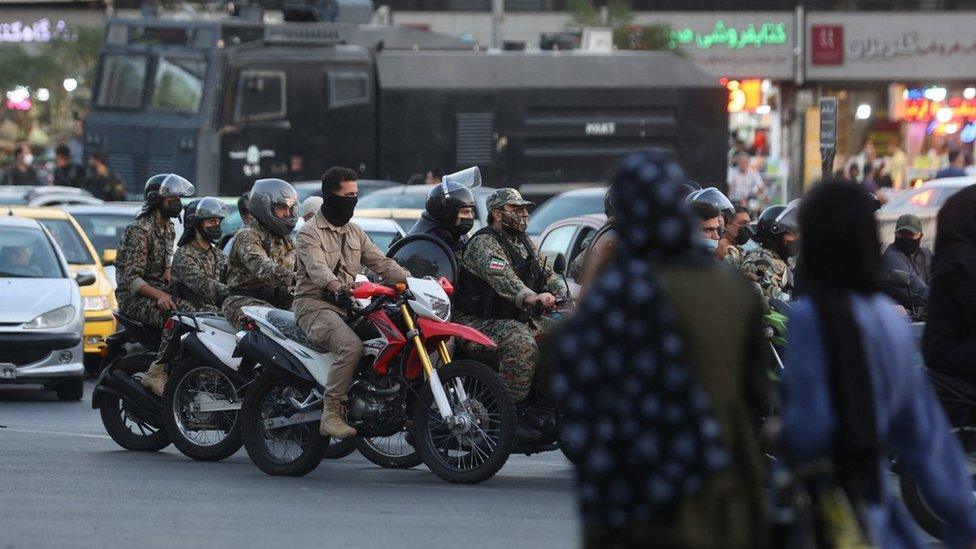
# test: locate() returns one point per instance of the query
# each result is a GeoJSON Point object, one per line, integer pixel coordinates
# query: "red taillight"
{"type": "Point", "coordinates": [170, 322]}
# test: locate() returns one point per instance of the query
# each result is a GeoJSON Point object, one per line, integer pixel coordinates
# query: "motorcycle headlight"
{"type": "Point", "coordinates": [53, 319]}
{"type": "Point", "coordinates": [442, 309]}
{"type": "Point", "coordinates": [95, 303]}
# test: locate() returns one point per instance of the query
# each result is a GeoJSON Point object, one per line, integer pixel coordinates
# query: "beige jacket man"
{"type": "Point", "coordinates": [329, 257]}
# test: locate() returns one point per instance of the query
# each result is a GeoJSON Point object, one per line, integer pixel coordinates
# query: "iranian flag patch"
{"type": "Point", "coordinates": [496, 264]}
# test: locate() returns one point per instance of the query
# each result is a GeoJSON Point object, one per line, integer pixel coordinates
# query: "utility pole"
{"type": "Point", "coordinates": [497, 18]}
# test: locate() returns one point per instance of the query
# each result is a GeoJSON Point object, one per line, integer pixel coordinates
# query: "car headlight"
{"type": "Point", "coordinates": [53, 319]}
{"type": "Point", "coordinates": [96, 303]}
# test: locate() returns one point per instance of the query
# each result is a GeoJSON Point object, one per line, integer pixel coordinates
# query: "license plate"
{"type": "Point", "coordinates": [8, 371]}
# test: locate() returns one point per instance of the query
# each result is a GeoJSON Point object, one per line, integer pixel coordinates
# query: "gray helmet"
{"type": "Point", "coordinates": [713, 196]}
{"type": "Point", "coordinates": [198, 210]}
{"type": "Point", "coordinates": [162, 186]}
{"type": "Point", "coordinates": [265, 194]}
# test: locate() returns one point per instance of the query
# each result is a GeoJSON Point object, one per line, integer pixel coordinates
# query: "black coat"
{"type": "Point", "coordinates": [918, 268]}
{"type": "Point", "coordinates": [428, 225]}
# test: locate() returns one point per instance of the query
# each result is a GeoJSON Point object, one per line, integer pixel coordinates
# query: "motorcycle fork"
{"type": "Point", "coordinates": [446, 359]}
{"type": "Point", "coordinates": [440, 397]}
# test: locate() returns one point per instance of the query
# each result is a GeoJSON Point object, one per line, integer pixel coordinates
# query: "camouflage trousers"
{"type": "Point", "coordinates": [144, 310]}
{"type": "Point", "coordinates": [233, 304]}
{"type": "Point", "coordinates": [516, 355]}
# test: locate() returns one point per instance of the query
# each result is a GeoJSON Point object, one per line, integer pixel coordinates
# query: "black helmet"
{"type": "Point", "coordinates": [688, 187]}
{"type": "Point", "coordinates": [776, 220]}
{"type": "Point", "coordinates": [446, 199]}
{"type": "Point", "coordinates": [162, 186]}
{"type": "Point", "coordinates": [609, 201]}
{"type": "Point", "coordinates": [713, 196]}
{"type": "Point", "coordinates": [198, 210]}
{"type": "Point", "coordinates": [265, 194]}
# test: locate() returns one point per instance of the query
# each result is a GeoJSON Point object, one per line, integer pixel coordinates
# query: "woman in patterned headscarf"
{"type": "Point", "coordinates": [659, 372]}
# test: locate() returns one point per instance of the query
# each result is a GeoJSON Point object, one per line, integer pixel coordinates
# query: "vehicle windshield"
{"type": "Point", "coordinates": [27, 253]}
{"type": "Point", "coordinates": [922, 197]}
{"type": "Point", "coordinates": [123, 81]}
{"type": "Point", "coordinates": [563, 207]}
{"type": "Point", "coordinates": [104, 230]}
{"type": "Point", "coordinates": [178, 84]}
{"type": "Point", "coordinates": [410, 201]}
{"type": "Point", "coordinates": [72, 246]}
{"type": "Point", "coordinates": [382, 239]}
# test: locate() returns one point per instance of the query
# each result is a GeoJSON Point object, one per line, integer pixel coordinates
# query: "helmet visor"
{"type": "Point", "coordinates": [789, 220]}
{"type": "Point", "coordinates": [210, 207]}
{"type": "Point", "coordinates": [469, 178]}
{"type": "Point", "coordinates": [175, 185]}
{"type": "Point", "coordinates": [716, 198]}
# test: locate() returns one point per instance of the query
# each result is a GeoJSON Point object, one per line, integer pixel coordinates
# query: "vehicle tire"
{"type": "Point", "coordinates": [392, 452]}
{"type": "Point", "coordinates": [128, 432]}
{"type": "Point", "coordinates": [339, 449]}
{"type": "Point", "coordinates": [267, 397]}
{"type": "Point", "coordinates": [73, 389]}
{"type": "Point", "coordinates": [571, 449]}
{"type": "Point", "coordinates": [186, 383]}
{"type": "Point", "coordinates": [920, 510]}
{"type": "Point", "coordinates": [491, 416]}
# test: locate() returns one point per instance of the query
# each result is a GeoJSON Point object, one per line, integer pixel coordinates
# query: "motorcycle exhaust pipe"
{"type": "Point", "coordinates": [140, 401]}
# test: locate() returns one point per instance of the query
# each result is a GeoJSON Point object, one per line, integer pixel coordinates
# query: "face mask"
{"type": "Point", "coordinates": [338, 209]}
{"type": "Point", "coordinates": [171, 208]}
{"type": "Point", "coordinates": [907, 245]}
{"type": "Point", "coordinates": [515, 224]}
{"type": "Point", "coordinates": [786, 250]}
{"type": "Point", "coordinates": [212, 234]}
{"type": "Point", "coordinates": [464, 225]}
{"type": "Point", "coordinates": [707, 243]}
{"type": "Point", "coordinates": [28, 159]}
{"type": "Point", "coordinates": [742, 236]}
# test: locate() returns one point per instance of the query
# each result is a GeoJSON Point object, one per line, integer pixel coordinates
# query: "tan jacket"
{"type": "Point", "coordinates": [320, 248]}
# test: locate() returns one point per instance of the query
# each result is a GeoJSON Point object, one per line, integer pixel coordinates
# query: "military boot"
{"type": "Point", "coordinates": [333, 423]}
{"type": "Point", "coordinates": [155, 378]}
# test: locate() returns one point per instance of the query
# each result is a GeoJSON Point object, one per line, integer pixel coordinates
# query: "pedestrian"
{"type": "Point", "coordinates": [433, 176]}
{"type": "Point", "coordinates": [907, 254]}
{"type": "Point", "coordinates": [854, 173]}
{"type": "Point", "coordinates": [597, 248]}
{"type": "Point", "coordinates": [22, 172]}
{"type": "Point", "coordinates": [956, 167]}
{"type": "Point", "coordinates": [851, 391]}
{"type": "Point", "coordinates": [76, 143]}
{"type": "Point", "coordinates": [103, 182]}
{"type": "Point", "coordinates": [949, 343]}
{"type": "Point", "coordinates": [744, 181]}
{"type": "Point", "coordinates": [659, 403]}
{"type": "Point", "coordinates": [66, 172]}
{"type": "Point", "coordinates": [309, 206]}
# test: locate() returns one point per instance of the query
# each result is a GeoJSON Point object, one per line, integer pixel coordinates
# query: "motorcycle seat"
{"type": "Point", "coordinates": [146, 334]}
{"type": "Point", "coordinates": [285, 323]}
{"type": "Point", "coordinates": [220, 324]}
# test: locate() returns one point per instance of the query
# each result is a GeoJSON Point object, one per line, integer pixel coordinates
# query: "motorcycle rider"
{"type": "Point", "coordinates": [777, 232]}
{"type": "Point", "coordinates": [198, 266]}
{"type": "Point", "coordinates": [501, 276]}
{"type": "Point", "coordinates": [330, 253]}
{"type": "Point", "coordinates": [713, 196]}
{"type": "Point", "coordinates": [596, 248]}
{"type": "Point", "coordinates": [737, 234]}
{"type": "Point", "coordinates": [143, 264]}
{"type": "Point", "coordinates": [449, 213]}
{"type": "Point", "coordinates": [261, 266]}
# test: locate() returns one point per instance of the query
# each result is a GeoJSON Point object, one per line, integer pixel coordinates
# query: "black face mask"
{"type": "Point", "coordinates": [338, 209]}
{"type": "Point", "coordinates": [171, 209]}
{"type": "Point", "coordinates": [212, 234]}
{"type": "Point", "coordinates": [742, 236]}
{"type": "Point", "coordinates": [907, 245]}
{"type": "Point", "coordinates": [786, 250]}
{"type": "Point", "coordinates": [464, 225]}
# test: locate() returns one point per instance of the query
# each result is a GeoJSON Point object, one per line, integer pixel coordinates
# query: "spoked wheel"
{"type": "Point", "coordinates": [127, 429]}
{"type": "Point", "coordinates": [196, 413]}
{"type": "Point", "coordinates": [289, 449]}
{"type": "Point", "coordinates": [477, 442]}
{"type": "Point", "coordinates": [919, 508]}
{"type": "Point", "coordinates": [392, 452]}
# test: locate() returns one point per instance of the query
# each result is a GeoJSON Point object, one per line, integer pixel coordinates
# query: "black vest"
{"type": "Point", "coordinates": [476, 297]}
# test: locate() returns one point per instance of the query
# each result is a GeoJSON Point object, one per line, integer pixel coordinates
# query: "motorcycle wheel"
{"type": "Point", "coordinates": [392, 452]}
{"type": "Point", "coordinates": [126, 430]}
{"type": "Point", "coordinates": [222, 437]}
{"type": "Point", "coordinates": [920, 510]}
{"type": "Point", "coordinates": [293, 450]}
{"type": "Point", "coordinates": [473, 453]}
{"type": "Point", "coordinates": [339, 449]}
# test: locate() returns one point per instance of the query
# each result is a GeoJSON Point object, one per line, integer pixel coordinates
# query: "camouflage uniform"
{"type": "Point", "coordinates": [143, 254]}
{"type": "Point", "coordinates": [259, 260]}
{"type": "Point", "coordinates": [734, 256]}
{"type": "Point", "coordinates": [775, 276]}
{"type": "Point", "coordinates": [197, 275]}
{"type": "Point", "coordinates": [517, 353]}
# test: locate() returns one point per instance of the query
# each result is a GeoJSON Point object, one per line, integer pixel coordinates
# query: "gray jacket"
{"type": "Point", "coordinates": [919, 272]}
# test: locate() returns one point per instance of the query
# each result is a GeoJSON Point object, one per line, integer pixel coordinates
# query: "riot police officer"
{"type": "Point", "coordinates": [198, 265]}
{"type": "Point", "coordinates": [777, 232]}
{"type": "Point", "coordinates": [144, 259]}
{"type": "Point", "coordinates": [502, 275]}
{"type": "Point", "coordinates": [261, 266]}
{"type": "Point", "coordinates": [449, 213]}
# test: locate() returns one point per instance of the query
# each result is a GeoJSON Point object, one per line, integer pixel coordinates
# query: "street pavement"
{"type": "Point", "coordinates": [65, 483]}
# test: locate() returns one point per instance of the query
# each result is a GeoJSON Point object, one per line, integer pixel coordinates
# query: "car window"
{"type": "Point", "coordinates": [178, 84]}
{"type": "Point", "coordinates": [104, 230]}
{"type": "Point", "coordinates": [231, 223]}
{"type": "Point", "coordinates": [563, 207]}
{"type": "Point", "coordinates": [347, 88]}
{"type": "Point", "coordinates": [260, 96]}
{"type": "Point", "coordinates": [557, 242]}
{"type": "Point", "coordinates": [922, 197]}
{"type": "Point", "coordinates": [946, 195]}
{"type": "Point", "coordinates": [17, 199]}
{"type": "Point", "coordinates": [382, 239]}
{"type": "Point", "coordinates": [27, 253]}
{"type": "Point", "coordinates": [412, 201]}
{"type": "Point", "coordinates": [72, 246]}
{"type": "Point", "coordinates": [584, 233]}
{"type": "Point", "coordinates": [123, 81]}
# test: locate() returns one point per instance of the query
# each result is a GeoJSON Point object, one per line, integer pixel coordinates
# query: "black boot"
{"type": "Point", "coordinates": [525, 433]}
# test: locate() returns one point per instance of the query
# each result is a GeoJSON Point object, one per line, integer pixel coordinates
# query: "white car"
{"type": "Point", "coordinates": [567, 238]}
{"type": "Point", "coordinates": [925, 201]}
{"type": "Point", "coordinates": [383, 232]}
{"type": "Point", "coordinates": [45, 195]}
{"type": "Point", "coordinates": [41, 317]}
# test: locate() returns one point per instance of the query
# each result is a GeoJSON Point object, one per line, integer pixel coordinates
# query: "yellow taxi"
{"type": "Point", "coordinates": [98, 299]}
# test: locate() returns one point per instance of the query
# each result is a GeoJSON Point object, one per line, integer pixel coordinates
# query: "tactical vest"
{"type": "Point", "coordinates": [475, 297]}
